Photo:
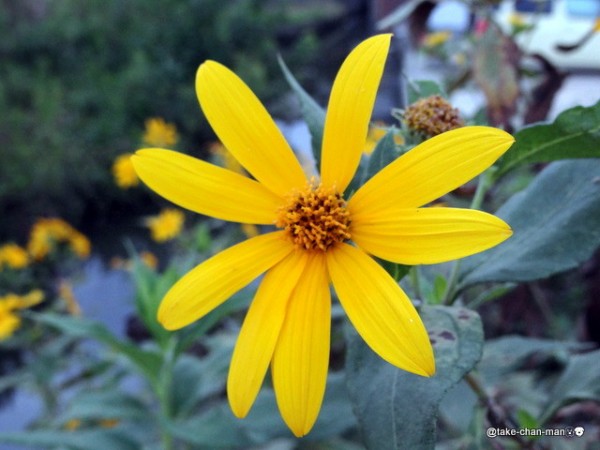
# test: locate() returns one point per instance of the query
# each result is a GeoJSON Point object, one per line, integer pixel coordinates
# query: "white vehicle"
{"type": "Point", "coordinates": [564, 32]}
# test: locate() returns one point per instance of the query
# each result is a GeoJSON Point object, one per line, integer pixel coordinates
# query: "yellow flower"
{"type": "Point", "coordinates": [123, 172]}
{"type": "Point", "coordinates": [376, 132]}
{"type": "Point", "coordinates": [65, 291]}
{"type": "Point", "coordinates": [166, 225]}
{"type": "Point", "coordinates": [14, 256]}
{"type": "Point", "coordinates": [516, 20]}
{"type": "Point", "coordinates": [80, 245]}
{"type": "Point", "coordinates": [322, 237]}
{"type": "Point", "coordinates": [109, 423]}
{"type": "Point", "coordinates": [9, 320]}
{"type": "Point", "coordinates": [436, 39]}
{"type": "Point", "coordinates": [149, 259]}
{"type": "Point", "coordinates": [160, 133]}
{"type": "Point", "coordinates": [72, 424]}
{"type": "Point", "coordinates": [48, 232]}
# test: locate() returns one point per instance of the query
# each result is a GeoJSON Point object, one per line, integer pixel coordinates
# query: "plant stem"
{"type": "Point", "coordinates": [415, 280]}
{"type": "Point", "coordinates": [495, 415]}
{"type": "Point", "coordinates": [484, 182]}
{"type": "Point", "coordinates": [163, 391]}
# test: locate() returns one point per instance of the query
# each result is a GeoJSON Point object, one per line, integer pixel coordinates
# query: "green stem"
{"type": "Point", "coordinates": [484, 182]}
{"type": "Point", "coordinates": [163, 390]}
{"type": "Point", "coordinates": [495, 415]}
{"type": "Point", "coordinates": [415, 280]}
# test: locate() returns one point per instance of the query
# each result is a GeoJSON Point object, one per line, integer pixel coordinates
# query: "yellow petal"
{"type": "Point", "coordinates": [258, 336]}
{"type": "Point", "coordinates": [246, 129]}
{"type": "Point", "coordinates": [432, 169]}
{"type": "Point", "coordinates": [215, 280]}
{"type": "Point", "coordinates": [349, 110]}
{"type": "Point", "coordinates": [428, 235]}
{"type": "Point", "coordinates": [301, 357]}
{"type": "Point", "coordinates": [205, 188]}
{"type": "Point", "coordinates": [380, 311]}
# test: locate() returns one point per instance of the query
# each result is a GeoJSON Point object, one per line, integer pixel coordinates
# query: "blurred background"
{"type": "Point", "coordinates": [83, 82]}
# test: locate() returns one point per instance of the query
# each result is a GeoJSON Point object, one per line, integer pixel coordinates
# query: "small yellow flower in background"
{"type": "Point", "coordinates": [435, 39]}
{"type": "Point", "coordinates": [13, 256]}
{"type": "Point", "coordinates": [166, 225]}
{"type": "Point", "coordinates": [47, 233]}
{"type": "Point", "coordinates": [109, 423]}
{"type": "Point", "coordinates": [228, 161]}
{"type": "Point", "coordinates": [9, 304]}
{"type": "Point", "coordinates": [123, 172]}
{"type": "Point", "coordinates": [322, 238]}
{"type": "Point", "coordinates": [80, 245]}
{"type": "Point", "coordinates": [159, 133]}
{"type": "Point", "coordinates": [149, 259]}
{"type": "Point", "coordinates": [65, 291]}
{"type": "Point", "coordinates": [250, 230]}
{"type": "Point", "coordinates": [72, 424]}
{"type": "Point", "coordinates": [377, 131]}
{"type": "Point", "coordinates": [517, 20]}
{"type": "Point", "coordinates": [9, 322]}
{"type": "Point", "coordinates": [226, 158]}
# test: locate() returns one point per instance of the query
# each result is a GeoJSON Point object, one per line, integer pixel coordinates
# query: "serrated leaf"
{"type": "Point", "coordinates": [575, 133]}
{"type": "Point", "coordinates": [579, 381]}
{"type": "Point", "coordinates": [556, 226]}
{"type": "Point", "coordinates": [398, 410]}
{"type": "Point", "coordinates": [313, 114]}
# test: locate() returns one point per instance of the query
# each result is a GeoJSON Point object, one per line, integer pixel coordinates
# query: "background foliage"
{"type": "Point", "coordinates": [76, 75]}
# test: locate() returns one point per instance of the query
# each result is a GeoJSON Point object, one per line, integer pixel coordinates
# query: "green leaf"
{"type": "Point", "coordinates": [508, 354]}
{"type": "Point", "coordinates": [396, 271]}
{"type": "Point", "coordinates": [149, 363]}
{"type": "Point", "coordinates": [398, 410]}
{"type": "Point", "coordinates": [579, 381]}
{"type": "Point", "coordinates": [218, 428]}
{"type": "Point", "coordinates": [110, 404]}
{"type": "Point", "coordinates": [77, 440]}
{"type": "Point", "coordinates": [197, 379]}
{"type": "Point", "coordinates": [313, 114]}
{"type": "Point", "coordinates": [190, 334]}
{"type": "Point", "coordinates": [526, 420]}
{"type": "Point", "coordinates": [574, 134]}
{"type": "Point", "coordinates": [556, 226]}
{"type": "Point", "coordinates": [423, 88]}
{"type": "Point", "coordinates": [150, 289]}
{"type": "Point", "coordinates": [384, 153]}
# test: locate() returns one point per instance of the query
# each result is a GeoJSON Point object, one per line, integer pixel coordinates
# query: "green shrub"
{"type": "Point", "coordinates": [78, 79]}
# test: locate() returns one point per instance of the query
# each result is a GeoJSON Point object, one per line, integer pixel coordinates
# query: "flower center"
{"type": "Point", "coordinates": [315, 218]}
